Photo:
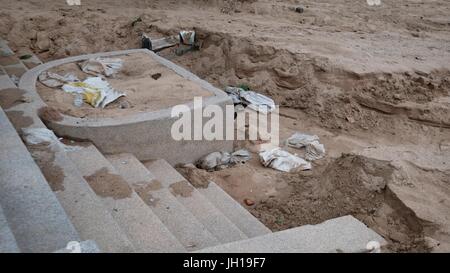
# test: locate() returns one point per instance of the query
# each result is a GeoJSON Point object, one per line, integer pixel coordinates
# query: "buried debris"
{"type": "Point", "coordinates": [283, 161]}
{"type": "Point", "coordinates": [219, 160]}
{"type": "Point", "coordinates": [251, 99]}
{"type": "Point", "coordinates": [314, 149]}
{"type": "Point", "coordinates": [101, 66]}
{"type": "Point", "coordinates": [96, 91]}
{"type": "Point", "coordinates": [186, 41]}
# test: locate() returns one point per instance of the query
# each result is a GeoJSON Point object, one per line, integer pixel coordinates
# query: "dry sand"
{"type": "Point", "coordinates": [143, 92]}
{"type": "Point", "coordinates": [372, 82]}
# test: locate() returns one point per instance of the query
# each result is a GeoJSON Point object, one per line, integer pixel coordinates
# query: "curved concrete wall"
{"type": "Point", "coordinates": [146, 135]}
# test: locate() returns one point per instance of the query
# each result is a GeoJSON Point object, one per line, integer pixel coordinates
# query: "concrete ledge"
{"type": "Point", "coordinates": [146, 135]}
{"type": "Point", "coordinates": [343, 234]}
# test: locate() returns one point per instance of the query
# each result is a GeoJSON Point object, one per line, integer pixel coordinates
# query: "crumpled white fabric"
{"type": "Point", "coordinates": [283, 161]}
{"type": "Point", "coordinates": [101, 66]}
{"type": "Point", "coordinates": [96, 91]}
{"type": "Point", "coordinates": [251, 99]}
{"type": "Point", "coordinates": [35, 136]}
{"type": "Point", "coordinates": [314, 149]}
{"type": "Point", "coordinates": [217, 159]}
{"type": "Point", "coordinates": [55, 80]}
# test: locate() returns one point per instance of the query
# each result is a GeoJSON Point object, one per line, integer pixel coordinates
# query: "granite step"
{"type": "Point", "coordinates": [214, 220]}
{"type": "Point", "coordinates": [33, 212]}
{"type": "Point", "coordinates": [343, 234]}
{"type": "Point", "coordinates": [8, 243]}
{"type": "Point", "coordinates": [87, 213]}
{"type": "Point", "coordinates": [144, 229]}
{"type": "Point", "coordinates": [183, 225]}
{"type": "Point", "coordinates": [241, 217]}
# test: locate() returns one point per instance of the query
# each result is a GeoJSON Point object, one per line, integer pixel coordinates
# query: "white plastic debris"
{"type": "Point", "coordinates": [314, 149]}
{"type": "Point", "coordinates": [299, 140]}
{"type": "Point", "coordinates": [254, 100]}
{"type": "Point", "coordinates": [96, 91]}
{"type": "Point", "coordinates": [187, 37]}
{"type": "Point", "coordinates": [52, 80]}
{"type": "Point", "coordinates": [373, 247]}
{"type": "Point", "coordinates": [283, 161]}
{"type": "Point", "coordinates": [99, 66]}
{"type": "Point", "coordinates": [223, 159]}
{"type": "Point", "coordinates": [73, 2]}
{"type": "Point", "coordinates": [373, 2]}
{"type": "Point", "coordinates": [35, 136]}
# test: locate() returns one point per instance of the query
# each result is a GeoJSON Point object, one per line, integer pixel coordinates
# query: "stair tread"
{"type": "Point", "coordinates": [183, 225]}
{"type": "Point", "coordinates": [214, 220]}
{"type": "Point", "coordinates": [343, 234]}
{"type": "Point", "coordinates": [241, 217]}
{"type": "Point", "coordinates": [144, 229]}
{"type": "Point", "coordinates": [34, 214]}
{"type": "Point", "coordinates": [87, 213]}
{"type": "Point", "coordinates": [8, 243]}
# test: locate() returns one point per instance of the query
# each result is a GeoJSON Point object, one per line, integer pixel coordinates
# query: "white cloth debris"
{"type": "Point", "coordinates": [98, 66]}
{"type": "Point", "coordinates": [218, 159]}
{"type": "Point", "coordinates": [314, 149]}
{"type": "Point", "coordinates": [255, 101]}
{"type": "Point", "coordinates": [299, 140]}
{"type": "Point", "coordinates": [96, 91]}
{"type": "Point", "coordinates": [373, 2]}
{"type": "Point", "coordinates": [73, 2]}
{"type": "Point", "coordinates": [283, 161]}
{"type": "Point", "coordinates": [35, 136]}
{"type": "Point", "coordinates": [52, 80]}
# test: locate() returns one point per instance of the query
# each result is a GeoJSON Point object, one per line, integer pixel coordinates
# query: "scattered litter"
{"type": "Point", "coordinates": [299, 140]}
{"type": "Point", "coordinates": [156, 76]}
{"type": "Point", "coordinates": [73, 2]}
{"type": "Point", "coordinates": [186, 41]}
{"type": "Point", "coordinates": [314, 149]}
{"type": "Point", "coordinates": [96, 91]}
{"type": "Point", "coordinates": [187, 37]}
{"type": "Point", "coordinates": [283, 161]}
{"type": "Point", "coordinates": [33, 136]}
{"type": "Point", "coordinates": [373, 247]}
{"type": "Point", "coordinates": [373, 2]}
{"type": "Point", "coordinates": [98, 66]}
{"type": "Point", "coordinates": [251, 99]}
{"type": "Point", "coordinates": [249, 202]}
{"type": "Point", "coordinates": [158, 44]}
{"type": "Point", "coordinates": [223, 159]}
{"type": "Point", "coordinates": [53, 80]}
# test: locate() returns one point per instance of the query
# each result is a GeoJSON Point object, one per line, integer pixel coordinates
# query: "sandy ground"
{"type": "Point", "coordinates": [372, 82]}
{"type": "Point", "coordinates": [143, 92]}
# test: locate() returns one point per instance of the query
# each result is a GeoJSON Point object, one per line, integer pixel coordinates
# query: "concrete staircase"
{"type": "Point", "coordinates": [53, 193]}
